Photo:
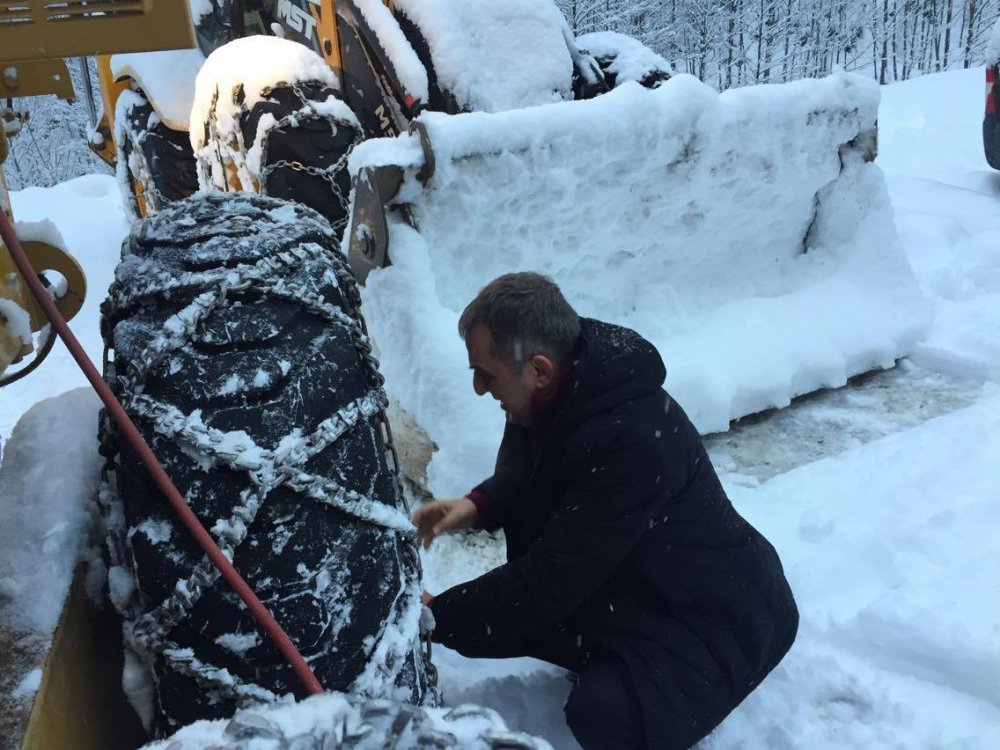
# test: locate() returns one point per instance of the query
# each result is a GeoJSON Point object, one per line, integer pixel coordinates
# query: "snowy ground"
{"type": "Point", "coordinates": [881, 497]}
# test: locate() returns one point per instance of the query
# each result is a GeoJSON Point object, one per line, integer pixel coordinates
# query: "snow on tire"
{"type": "Point", "coordinates": [155, 163]}
{"type": "Point", "coordinates": [351, 723]}
{"type": "Point", "coordinates": [269, 118]}
{"type": "Point", "coordinates": [240, 352]}
{"type": "Point", "coordinates": [623, 59]}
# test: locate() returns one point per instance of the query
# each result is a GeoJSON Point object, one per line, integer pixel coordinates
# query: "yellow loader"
{"type": "Point", "coordinates": [268, 150]}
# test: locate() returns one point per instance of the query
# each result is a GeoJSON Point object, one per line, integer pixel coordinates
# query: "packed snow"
{"type": "Point", "coordinates": [631, 60]}
{"type": "Point", "coordinates": [18, 321]}
{"type": "Point", "coordinates": [716, 253]}
{"type": "Point", "coordinates": [167, 79]}
{"type": "Point", "coordinates": [48, 483]}
{"type": "Point", "coordinates": [495, 56]}
{"type": "Point", "coordinates": [887, 544]}
{"type": "Point", "coordinates": [411, 72]}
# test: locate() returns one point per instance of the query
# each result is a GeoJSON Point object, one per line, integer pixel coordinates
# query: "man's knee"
{"type": "Point", "coordinates": [603, 709]}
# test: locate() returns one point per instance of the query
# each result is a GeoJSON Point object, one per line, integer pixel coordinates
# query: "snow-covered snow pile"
{"type": "Point", "coordinates": [631, 60]}
{"type": "Point", "coordinates": [16, 320]}
{"type": "Point", "coordinates": [48, 484]}
{"type": "Point", "coordinates": [338, 720]}
{"type": "Point", "coordinates": [167, 79]}
{"type": "Point", "coordinates": [495, 56]}
{"type": "Point", "coordinates": [889, 552]}
{"type": "Point", "coordinates": [945, 197]}
{"type": "Point", "coordinates": [736, 232]}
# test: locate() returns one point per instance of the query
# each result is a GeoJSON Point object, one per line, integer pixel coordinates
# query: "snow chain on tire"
{"type": "Point", "coordinates": [288, 144]}
{"type": "Point", "coordinates": [351, 723]}
{"type": "Point", "coordinates": [241, 354]}
{"type": "Point", "coordinates": [155, 164]}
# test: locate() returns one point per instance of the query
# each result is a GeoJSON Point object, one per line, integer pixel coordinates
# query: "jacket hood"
{"type": "Point", "coordinates": [612, 365]}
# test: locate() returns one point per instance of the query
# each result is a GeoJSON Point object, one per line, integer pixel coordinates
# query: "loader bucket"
{"type": "Point", "coordinates": [709, 223]}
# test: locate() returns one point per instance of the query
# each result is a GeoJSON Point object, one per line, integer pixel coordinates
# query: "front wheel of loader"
{"type": "Point", "coordinates": [156, 164]}
{"type": "Point", "coordinates": [240, 352]}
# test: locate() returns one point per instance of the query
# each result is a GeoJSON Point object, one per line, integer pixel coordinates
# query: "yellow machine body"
{"type": "Point", "coordinates": [79, 704]}
{"type": "Point", "coordinates": [35, 38]}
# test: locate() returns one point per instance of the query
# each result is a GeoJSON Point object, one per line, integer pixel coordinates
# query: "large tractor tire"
{"type": "Point", "coordinates": [287, 139]}
{"type": "Point", "coordinates": [156, 164]}
{"type": "Point", "coordinates": [240, 352]}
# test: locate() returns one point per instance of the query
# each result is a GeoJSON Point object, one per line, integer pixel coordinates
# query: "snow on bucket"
{"type": "Point", "coordinates": [748, 235]}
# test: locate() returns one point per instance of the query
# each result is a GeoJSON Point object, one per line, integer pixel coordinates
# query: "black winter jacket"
{"type": "Point", "coordinates": [618, 528]}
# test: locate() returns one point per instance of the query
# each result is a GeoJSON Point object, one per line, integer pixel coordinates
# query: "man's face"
{"type": "Point", "coordinates": [513, 387]}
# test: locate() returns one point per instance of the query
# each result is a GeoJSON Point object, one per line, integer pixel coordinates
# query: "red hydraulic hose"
{"type": "Point", "coordinates": [127, 426]}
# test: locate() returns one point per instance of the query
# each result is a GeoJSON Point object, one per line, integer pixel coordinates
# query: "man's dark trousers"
{"type": "Point", "coordinates": [603, 709]}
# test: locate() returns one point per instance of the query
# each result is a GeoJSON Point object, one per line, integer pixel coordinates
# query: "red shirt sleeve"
{"type": "Point", "coordinates": [484, 519]}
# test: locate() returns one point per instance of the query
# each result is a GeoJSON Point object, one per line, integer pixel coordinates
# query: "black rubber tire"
{"type": "Point", "coordinates": [154, 161]}
{"type": "Point", "coordinates": [268, 364]}
{"type": "Point", "coordinates": [303, 153]}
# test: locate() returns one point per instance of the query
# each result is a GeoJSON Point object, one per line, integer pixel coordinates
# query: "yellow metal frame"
{"type": "Point", "coordinates": [329, 38]}
{"type": "Point", "coordinates": [43, 30]}
{"type": "Point", "coordinates": [43, 257]}
{"type": "Point", "coordinates": [111, 89]}
{"type": "Point", "coordinates": [35, 78]}
{"type": "Point", "coordinates": [80, 704]}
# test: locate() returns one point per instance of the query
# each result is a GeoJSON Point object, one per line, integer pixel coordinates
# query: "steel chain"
{"type": "Point", "coordinates": [232, 149]}
{"type": "Point", "coordinates": [149, 631]}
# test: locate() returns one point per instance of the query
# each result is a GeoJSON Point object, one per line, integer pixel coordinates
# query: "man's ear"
{"type": "Point", "coordinates": [544, 370]}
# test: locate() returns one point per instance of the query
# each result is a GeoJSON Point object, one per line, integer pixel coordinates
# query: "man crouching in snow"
{"type": "Point", "coordinates": [627, 564]}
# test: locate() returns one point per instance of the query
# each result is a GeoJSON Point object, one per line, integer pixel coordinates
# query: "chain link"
{"type": "Point", "coordinates": [230, 155]}
{"type": "Point", "coordinates": [266, 469]}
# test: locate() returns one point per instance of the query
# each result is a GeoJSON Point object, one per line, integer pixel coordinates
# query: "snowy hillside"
{"type": "Point", "coordinates": [888, 539]}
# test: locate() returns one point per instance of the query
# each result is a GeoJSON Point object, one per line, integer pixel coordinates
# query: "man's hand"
{"type": "Point", "coordinates": [439, 516]}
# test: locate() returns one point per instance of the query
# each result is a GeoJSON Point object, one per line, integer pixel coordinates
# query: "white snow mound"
{"type": "Point", "coordinates": [167, 78]}
{"type": "Point", "coordinates": [256, 64]}
{"type": "Point", "coordinates": [48, 481]}
{"type": "Point", "coordinates": [496, 56]}
{"type": "Point", "coordinates": [632, 60]}
{"type": "Point", "coordinates": [739, 233]}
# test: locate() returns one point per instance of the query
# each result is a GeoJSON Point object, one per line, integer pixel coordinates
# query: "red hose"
{"type": "Point", "coordinates": [127, 426]}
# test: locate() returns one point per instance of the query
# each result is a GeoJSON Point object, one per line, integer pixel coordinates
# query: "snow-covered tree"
{"type": "Point", "coordinates": [50, 142]}
{"type": "Point", "coordinates": [740, 42]}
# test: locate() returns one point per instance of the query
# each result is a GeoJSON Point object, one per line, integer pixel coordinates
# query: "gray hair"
{"type": "Point", "coordinates": [525, 314]}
